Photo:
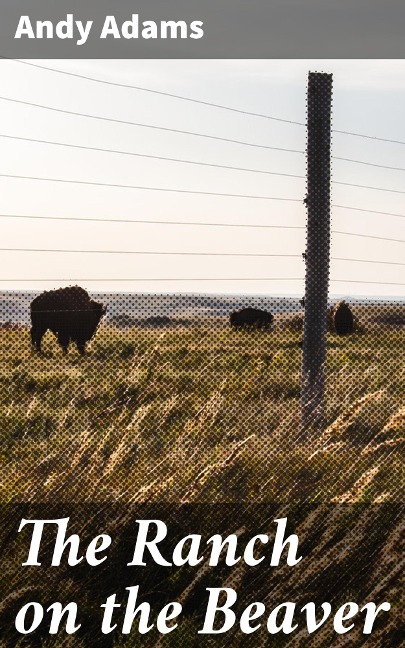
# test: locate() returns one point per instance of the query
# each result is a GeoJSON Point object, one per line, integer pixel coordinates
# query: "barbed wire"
{"type": "Point", "coordinates": [206, 193]}
{"type": "Point", "coordinates": [152, 126]}
{"type": "Point", "coordinates": [157, 92]}
{"type": "Point", "coordinates": [370, 137]}
{"type": "Point", "coordinates": [372, 164]}
{"type": "Point", "coordinates": [369, 211]}
{"type": "Point", "coordinates": [182, 161]}
{"type": "Point", "coordinates": [158, 157]}
{"type": "Point", "coordinates": [153, 222]}
{"type": "Point", "coordinates": [197, 101]}
{"type": "Point", "coordinates": [152, 157]}
{"type": "Point", "coordinates": [377, 283]}
{"type": "Point", "coordinates": [143, 188]}
{"type": "Point", "coordinates": [190, 254]}
{"type": "Point", "coordinates": [369, 236]}
{"type": "Point", "coordinates": [140, 279]}
{"type": "Point", "coordinates": [191, 223]}
{"type": "Point", "coordinates": [367, 261]}
{"type": "Point", "coordinates": [157, 253]}
{"type": "Point", "coordinates": [359, 186]}
{"type": "Point", "coordinates": [196, 192]}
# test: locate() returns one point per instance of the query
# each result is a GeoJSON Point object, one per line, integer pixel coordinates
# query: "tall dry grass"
{"type": "Point", "coordinates": [212, 416]}
{"type": "Point", "coordinates": [197, 415]}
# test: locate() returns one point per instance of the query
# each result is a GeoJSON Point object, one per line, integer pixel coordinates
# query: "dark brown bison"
{"type": "Point", "coordinates": [342, 319]}
{"type": "Point", "coordinates": [253, 317]}
{"type": "Point", "coordinates": [69, 313]}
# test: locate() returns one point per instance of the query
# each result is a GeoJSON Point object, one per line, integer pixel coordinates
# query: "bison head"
{"type": "Point", "coordinates": [97, 311]}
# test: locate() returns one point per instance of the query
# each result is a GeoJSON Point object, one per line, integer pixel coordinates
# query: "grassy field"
{"type": "Point", "coordinates": [222, 406]}
{"type": "Point", "coordinates": [209, 415]}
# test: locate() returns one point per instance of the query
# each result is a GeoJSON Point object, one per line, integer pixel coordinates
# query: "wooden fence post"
{"type": "Point", "coordinates": [318, 249]}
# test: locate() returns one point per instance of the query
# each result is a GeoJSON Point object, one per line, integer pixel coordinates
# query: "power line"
{"type": "Point", "coordinates": [152, 91]}
{"type": "Point", "coordinates": [369, 211]}
{"type": "Point", "coordinates": [152, 157]}
{"type": "Point", "coordinates": [152, 222]}
{"type": "Point", "coordinates": [122, 186]}
{"type": "Point", "coordinates": [142, 125]}
{"type": "Point", "coordinates": [219, 254]}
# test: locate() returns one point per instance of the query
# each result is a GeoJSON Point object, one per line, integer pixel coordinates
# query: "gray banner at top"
{"type": "Point", "coordinates": [231, 29]}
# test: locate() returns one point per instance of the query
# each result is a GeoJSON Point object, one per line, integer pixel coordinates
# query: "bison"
{"type": "Point", "coordinates": [69, 313]}
{"type": "Point", "coordinates": [253, 317]}
{"type": "Point", "coordinates": [342, 319]}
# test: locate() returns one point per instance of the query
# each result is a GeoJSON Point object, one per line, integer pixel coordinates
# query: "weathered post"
{"type": "Point", "coordinates": [317, 251]}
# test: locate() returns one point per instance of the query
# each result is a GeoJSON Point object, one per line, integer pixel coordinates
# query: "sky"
{"type": "Point", "coordinates": [368, 98]}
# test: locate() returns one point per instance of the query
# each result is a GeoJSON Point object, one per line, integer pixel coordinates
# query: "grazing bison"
{"type": "Point", "coordinates": [251, 317]}
{"type": "Point", "coordinates": [342, 319]}
{"type": "Point", "coordinates": [69, 313]}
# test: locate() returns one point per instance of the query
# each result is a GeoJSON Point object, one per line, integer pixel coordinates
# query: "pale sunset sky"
{"type": "Point", "coordinates": [368, 98]}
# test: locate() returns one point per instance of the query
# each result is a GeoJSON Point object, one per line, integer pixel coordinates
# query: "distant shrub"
{"type": "Point", "coordinates": [295, 323]}
{"type": "Point", "coordinates": [157, 321]}
{"type": "Point", "coordinates": [394, 319]}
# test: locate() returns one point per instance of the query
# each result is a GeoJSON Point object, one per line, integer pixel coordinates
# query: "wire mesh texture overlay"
{"type": "Point", "coordinates": [187, 408]}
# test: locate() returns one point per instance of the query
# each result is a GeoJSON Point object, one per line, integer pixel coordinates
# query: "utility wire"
{"type": "Point", "coordinates": [142, 125]}
{"type": "Point", "coordinates": [193, 100]}
{"type": "Point", "coordinates": [152, 222]}
{"type": "Point", "coordinates": [152, 157]}
{"type": "Point", "coordinates": [122, 186]}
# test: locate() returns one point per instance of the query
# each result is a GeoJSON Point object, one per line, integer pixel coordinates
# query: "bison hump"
{"type": "Point", "coordinates": [71, 298]}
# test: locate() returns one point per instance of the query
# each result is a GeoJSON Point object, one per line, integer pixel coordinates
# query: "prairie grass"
{"type": "Point", "coordinates": [197, 414]}
{"type": "Point", "coordinates": [213, 416]}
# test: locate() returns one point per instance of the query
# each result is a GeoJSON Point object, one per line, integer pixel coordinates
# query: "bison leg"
{"type": "Point", "coordinates": [36, 337]}
{"type": "Point", "coordinates": [63, 340]}
{"type": "Point", "coordinates": [81, 347]}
